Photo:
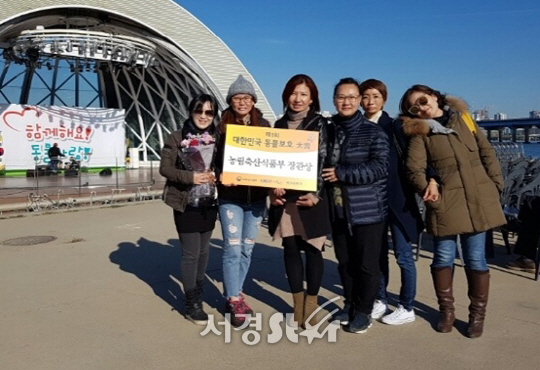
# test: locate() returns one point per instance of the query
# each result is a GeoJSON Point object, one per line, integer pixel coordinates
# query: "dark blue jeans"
{"type": "Point", "coordinates": [405, 261]}
{"type": "Point", "coordinates": [473, 246]}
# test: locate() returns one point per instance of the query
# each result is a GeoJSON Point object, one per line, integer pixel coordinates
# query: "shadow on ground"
{"type": "Point", "coordinates": [158, 265]}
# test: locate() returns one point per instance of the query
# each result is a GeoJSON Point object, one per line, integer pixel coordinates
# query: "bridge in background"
{"type": "Point", "coordinates": [515, 124]}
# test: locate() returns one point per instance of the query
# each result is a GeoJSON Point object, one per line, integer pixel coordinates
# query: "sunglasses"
{"type": "Point", "coordinates": [206, 112]}
{"type": "Point", "coordinates": [416, 108]}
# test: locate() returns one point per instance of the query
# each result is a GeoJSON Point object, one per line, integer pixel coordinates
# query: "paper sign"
{"type": "Point", "coordinates": [271, 157]}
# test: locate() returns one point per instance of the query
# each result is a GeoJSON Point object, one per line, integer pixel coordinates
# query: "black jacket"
{"type": "Point", "coordinates": [316, 219]}
{"type": "Point", "coordinates": [55, 151]}
{"type": "Point", "coordinates": [402, 206]}
{"type": "Point", "coordinates": [359, 150]}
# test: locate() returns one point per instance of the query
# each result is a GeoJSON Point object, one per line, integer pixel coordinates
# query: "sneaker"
{"type": "Point", "coordinates": [360, 324]}
{"type": "Point", "coordinates": [236, 309]}
{"type": "Point", "coordinates": [247, 309]}
{"type": "Point", "coordinates": [380, 309]}
{"type": "Point", "coordinates": [344, 315]}
{"type": "Point", "coordinates": [399, 316]}
{"type": "Point", "coordinates": [522, 264]}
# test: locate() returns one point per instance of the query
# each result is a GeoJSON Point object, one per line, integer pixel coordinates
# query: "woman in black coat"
{"type": "Point", "coordinates": [301, 218]}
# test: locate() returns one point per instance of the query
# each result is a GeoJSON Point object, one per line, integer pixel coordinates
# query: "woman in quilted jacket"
{"type": "Point", "coordinates": [357, 169]}
{"type": "Point", "coordinates": [465, 201]}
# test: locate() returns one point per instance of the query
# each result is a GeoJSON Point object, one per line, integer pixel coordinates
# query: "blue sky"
{"type": "Point", "coordinates": [487, 52]}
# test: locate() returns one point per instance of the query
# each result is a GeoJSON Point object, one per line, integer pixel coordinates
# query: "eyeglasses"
{"type": "Point", "coordinates": [238, 99]}
{"type": "Point", "coordinates": [342, 98]}
{"type": "Point", "coordinates": [206, 112]}
{"type": "Point", "coordinates": [416, 108]}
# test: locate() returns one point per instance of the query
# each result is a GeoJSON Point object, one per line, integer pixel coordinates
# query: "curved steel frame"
{"type": "Point", "coordinates": [154, 97]}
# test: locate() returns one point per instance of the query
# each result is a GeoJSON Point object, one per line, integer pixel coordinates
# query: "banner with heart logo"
{"type": "Point", "coordinates": [93, 136]}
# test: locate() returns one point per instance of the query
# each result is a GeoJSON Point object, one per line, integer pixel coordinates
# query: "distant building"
{"type": "Point", "coordinates": [500, 116]}
{"type": "Point", "coordinates": [534, 114]}
{"type": "Point", "coordinates": [481, 114]}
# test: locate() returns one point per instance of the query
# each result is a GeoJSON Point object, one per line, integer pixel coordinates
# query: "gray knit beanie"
{"type": "Point", "coordinates": [241, 86]}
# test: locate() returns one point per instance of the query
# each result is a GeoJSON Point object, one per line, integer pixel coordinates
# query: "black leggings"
{"type": "Point", "coordinates": [292, 245]}
{"type": "Point", "coordinates": [195, 248]}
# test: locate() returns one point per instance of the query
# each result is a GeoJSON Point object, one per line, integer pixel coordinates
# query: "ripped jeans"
{"type": "Point", "coordinates": [239, 224]}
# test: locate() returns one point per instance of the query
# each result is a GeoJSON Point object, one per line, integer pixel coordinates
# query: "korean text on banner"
{"type": "Point", "coordinates": [93, 136]}
{"type": "Point", "coordinates": [271, 157]}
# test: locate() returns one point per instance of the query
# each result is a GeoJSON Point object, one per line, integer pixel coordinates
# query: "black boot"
{"type": "Point", "coordinates": [194, 310]}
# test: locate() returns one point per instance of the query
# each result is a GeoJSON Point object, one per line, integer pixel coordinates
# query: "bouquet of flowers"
{"type": "Point", "coordinates": [196, 153]}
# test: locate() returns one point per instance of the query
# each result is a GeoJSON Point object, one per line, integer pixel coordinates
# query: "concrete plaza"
{"type": "Point", "coordinates": [105, 295]}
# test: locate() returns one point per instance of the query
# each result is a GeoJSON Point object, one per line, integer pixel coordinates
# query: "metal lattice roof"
{"type": "Point", "coordinates": [162, 18]}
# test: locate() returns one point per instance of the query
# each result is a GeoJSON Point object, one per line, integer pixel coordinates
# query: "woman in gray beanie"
{"type": "Point", "coordinates": [241, 208]}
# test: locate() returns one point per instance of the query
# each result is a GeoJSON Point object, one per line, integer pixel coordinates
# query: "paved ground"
{"type": "Point", "coordinates": [105, 295]}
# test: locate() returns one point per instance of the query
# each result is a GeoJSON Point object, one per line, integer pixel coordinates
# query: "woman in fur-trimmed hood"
{"type": "Point", "coordinates": [465, 201]}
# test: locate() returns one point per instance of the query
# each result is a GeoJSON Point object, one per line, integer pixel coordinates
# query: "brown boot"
{"type": "Point", "coordinates": [478, 294]}
{"type": "Point", "coordinates": [310, 305]}
{"type": "Point", "coordinates": [298, 304]}
{"type": "Point", "coordinates": [442, 280]}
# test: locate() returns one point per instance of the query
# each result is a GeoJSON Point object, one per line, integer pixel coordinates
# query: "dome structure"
{"type": "Point", "coordinates": [146, 59]}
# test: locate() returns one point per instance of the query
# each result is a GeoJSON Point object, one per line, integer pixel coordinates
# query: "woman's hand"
{"type": "Point", "coordinates": [279, 192]}
{"type": "Point", "coordinates": [305, 201]}
{"type": "Point", "coordinates": [211, 177]}
{"type": "Point", "coordinates": [432, 192]}
{"type": "Point", "coordinates": [329, 174]}
{"type": "Point", "coordinates": [276, 200]}
{"type": "Point", "coordinates": [200, 178]}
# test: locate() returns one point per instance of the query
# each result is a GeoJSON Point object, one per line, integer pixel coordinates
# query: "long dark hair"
{"type": "Point", "coordinates": [405, 105]}
{"type": "Point", "coordinates": [298, 80]}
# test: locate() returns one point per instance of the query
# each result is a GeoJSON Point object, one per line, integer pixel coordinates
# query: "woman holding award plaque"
{"type": "Point", "coordinates": [301, 218]}
{"type": "Point", "coordinates": [241, 207]}
{"type": "Point", "coordinates": [187, 162]}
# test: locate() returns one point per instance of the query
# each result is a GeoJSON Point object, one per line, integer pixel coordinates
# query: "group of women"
{"type": "Point", "coordinates": [370, 167]}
